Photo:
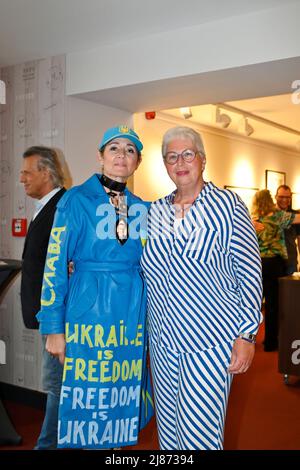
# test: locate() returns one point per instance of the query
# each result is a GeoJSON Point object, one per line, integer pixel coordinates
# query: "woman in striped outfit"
{"type": "Point", "coordinates": [203, 272]}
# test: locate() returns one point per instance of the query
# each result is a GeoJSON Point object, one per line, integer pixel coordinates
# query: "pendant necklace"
{"type": "Point", "coordinates": [181, 209]}
{"type": "Point", "coordinates": [117, 199]}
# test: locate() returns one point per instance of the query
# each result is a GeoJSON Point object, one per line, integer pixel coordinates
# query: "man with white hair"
{"type": "Point", "coordinates": [43, 180]}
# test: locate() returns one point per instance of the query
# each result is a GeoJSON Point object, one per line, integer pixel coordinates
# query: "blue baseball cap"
{"type": "Point", "coordinates": [121, 131]}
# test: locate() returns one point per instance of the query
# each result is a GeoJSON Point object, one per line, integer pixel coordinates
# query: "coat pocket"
{"type": "Point", "coordinates": [200, 244]}
{"type": "Point", "coordinates": [83, 295]}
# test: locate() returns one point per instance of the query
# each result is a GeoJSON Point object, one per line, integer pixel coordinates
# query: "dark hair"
{"type": "Point", "coordinates": [103, 148]}
{"type": "Point", "coordinates": [283, 186]}
{"type": "Point", "coordinates": [48, 159]}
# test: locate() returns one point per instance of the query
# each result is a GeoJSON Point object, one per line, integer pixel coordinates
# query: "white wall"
{"type": "Point", "coordinates": [33, 114]}
{"type": "Point", "coordinates": [231, 159]}
{"type": "Point", "coordinates": [85, 124]}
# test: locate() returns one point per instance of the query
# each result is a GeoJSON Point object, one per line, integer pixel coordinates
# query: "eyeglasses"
{"type": "Point", "coordinates": [115, 150]}
{"type": "Point", "coordinates": [188, 155]}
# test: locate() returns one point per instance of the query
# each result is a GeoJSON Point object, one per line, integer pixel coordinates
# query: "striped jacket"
{"type": "Point", "coordinates": [203, 276]}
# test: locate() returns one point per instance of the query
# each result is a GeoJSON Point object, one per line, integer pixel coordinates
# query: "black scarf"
{"type": "Point", "coordinates": [117, 199]}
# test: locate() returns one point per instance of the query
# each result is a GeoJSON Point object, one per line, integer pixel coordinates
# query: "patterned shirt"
{"type": "Point", "coordinates": [271, 240]}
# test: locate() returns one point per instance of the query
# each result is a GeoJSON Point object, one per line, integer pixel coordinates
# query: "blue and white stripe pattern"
{"type": "Point", "coordinates": [191, 392]}
{"type": "Point", "coordinates": [204, 288]}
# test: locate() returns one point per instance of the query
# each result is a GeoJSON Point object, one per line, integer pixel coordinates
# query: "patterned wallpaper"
{"type": "Point", "coordinates": [34, 113]}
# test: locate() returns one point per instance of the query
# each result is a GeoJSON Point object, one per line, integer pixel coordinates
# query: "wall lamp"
{"type": "Point", "coordinates": [222, 119]}
{"type": "Point", "coordinates": [247, 129]}
{"type": "Point", "coordinates": [186, 113]}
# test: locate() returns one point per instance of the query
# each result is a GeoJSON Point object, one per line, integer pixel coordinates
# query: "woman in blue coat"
{"type": "Point", "coordinates": [95, 319]}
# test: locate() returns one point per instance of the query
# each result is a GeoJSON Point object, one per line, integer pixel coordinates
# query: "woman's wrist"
{"type": "Point", "coordinates": [251, 338]}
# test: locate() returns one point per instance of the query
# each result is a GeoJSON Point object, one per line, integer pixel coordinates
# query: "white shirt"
{"type": "Point", "coordinates": [40, 203]}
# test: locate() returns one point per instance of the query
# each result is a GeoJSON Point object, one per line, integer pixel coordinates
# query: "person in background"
{"type": "Point", "coordinates": [95, 320]}
{"type": "Point", "coordinates": [203, 272]}
{"type": "Point", "coordinates": [42, 177]}
{"type": "Point", "coordinates": [271, 240]}
{"type": "Point", "coordinates": [292, 234]}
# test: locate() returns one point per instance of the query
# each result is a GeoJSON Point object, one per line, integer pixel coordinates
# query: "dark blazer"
{"type": "Point", "coordinates": [34, 256]}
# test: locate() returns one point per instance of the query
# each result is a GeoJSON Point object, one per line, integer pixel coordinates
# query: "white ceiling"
{"type": "Point", "coordinates": [35, 29]}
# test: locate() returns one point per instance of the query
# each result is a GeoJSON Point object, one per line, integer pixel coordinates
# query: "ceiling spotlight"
{"type": "Point", "coordinates": [186, 112]}
{"type": "Point", "coordinates": [222, 119]}
{"type": "Point", "coordinates": [248, 129]}
{"type": "Point", "coordinates": [2, 92]}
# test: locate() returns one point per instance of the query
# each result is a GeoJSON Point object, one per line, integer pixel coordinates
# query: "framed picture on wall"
{"type": "Point", "coordinates": [274, 179]}
{"type": "Point", "coordinates": [245, 193]}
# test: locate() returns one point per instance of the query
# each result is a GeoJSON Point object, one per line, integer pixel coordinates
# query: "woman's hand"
{"type": "Point", "coordinates": [70, 268]}
{"type": "Point", "coordinates": [56, 346]}
{"type": "Point", "coordinates": [259, 227]}
{"type": "Point", "coordinates": [241, 357]}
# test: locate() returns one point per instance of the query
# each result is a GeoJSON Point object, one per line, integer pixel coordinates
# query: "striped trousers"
{"type": "Point", "coordinates": [191, 393]}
